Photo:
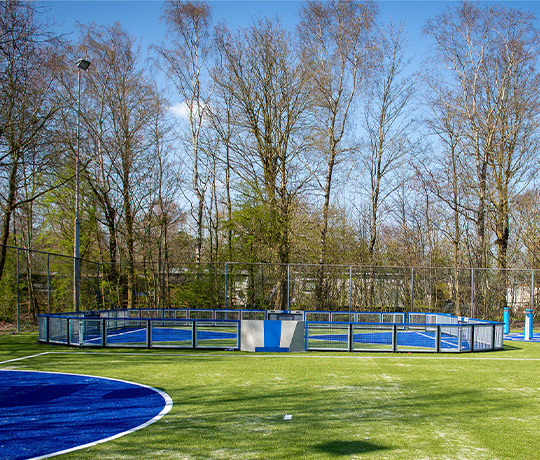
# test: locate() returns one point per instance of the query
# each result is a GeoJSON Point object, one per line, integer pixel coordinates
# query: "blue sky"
{"type": "Point", "coordinates": [142, 18]}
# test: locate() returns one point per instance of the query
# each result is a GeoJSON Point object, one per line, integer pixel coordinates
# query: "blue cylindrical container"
{"type": "Point", "coordinates": [506, 329]}
{"type": "Point", "coordinates": [528, 324]}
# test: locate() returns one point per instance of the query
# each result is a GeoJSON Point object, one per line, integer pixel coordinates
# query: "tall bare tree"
{"type": "Point", "coordinates": [223, 125]}
{"type": "Point", "coordinates": [28, 106]}
{"type": "Point", "coordinates": [488, 56]}
{"type": "Point", "coordinates": [261, 72]}
{"type": "Point", "coordinates": [387, 119]}
{"type": "Point", "coordinates": [336, 46]}
{"type": "Point", "coordinates": [184, 59]}
{"type": "Point", "coordinates": [444, 177]}
{"type": "Point", "coordinates": [526, 220]}
{"type": "Point", "coordinates": [122, 126]}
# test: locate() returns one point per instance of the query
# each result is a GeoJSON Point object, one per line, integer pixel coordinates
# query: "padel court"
{"type": "Point", "coordinates": [312, 331]}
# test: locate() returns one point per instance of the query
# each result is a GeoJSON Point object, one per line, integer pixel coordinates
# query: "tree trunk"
{"type": "Point", "coordinates": [129, 245]}
{"type": "Point", "coordinates": [8, 211]}
{"type": "Point", "coordinates": [321, 290]}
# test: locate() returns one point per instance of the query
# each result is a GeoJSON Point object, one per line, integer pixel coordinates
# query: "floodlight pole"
{"type": "Point", "coordinates": [82, 64]}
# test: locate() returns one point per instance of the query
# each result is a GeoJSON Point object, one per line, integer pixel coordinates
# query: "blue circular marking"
{"type": "Point", "coordinates": [43, 413]}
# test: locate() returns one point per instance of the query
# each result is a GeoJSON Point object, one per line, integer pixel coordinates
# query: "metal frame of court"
{"type": "Point", "coordinates": [221, 329]}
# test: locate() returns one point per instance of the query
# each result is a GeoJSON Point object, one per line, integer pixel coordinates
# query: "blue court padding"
{"type": "Point", "coordinates": [42, 413]}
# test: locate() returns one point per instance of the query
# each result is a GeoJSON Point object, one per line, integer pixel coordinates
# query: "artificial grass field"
{"type": "Point", "coordinates": [343, 405]}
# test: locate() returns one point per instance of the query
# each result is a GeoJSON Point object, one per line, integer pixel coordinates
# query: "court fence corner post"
{"type": "Point", "coordinates": [239, 334]}
{"type": "Point", "coordinates": [306, 335]}
{"type": "Point", "coordinates": [148, 333]}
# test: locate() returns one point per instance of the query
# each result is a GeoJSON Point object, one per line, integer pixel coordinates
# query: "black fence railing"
{"type": "Point", "coordinates": [197, 329]}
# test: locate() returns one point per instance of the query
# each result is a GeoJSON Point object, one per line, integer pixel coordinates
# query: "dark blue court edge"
{"type": "Point", "coordinates": [44, 413]}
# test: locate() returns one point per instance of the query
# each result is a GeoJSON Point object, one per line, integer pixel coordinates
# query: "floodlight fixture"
{"type": "Point", "coordinates": [83, 64]}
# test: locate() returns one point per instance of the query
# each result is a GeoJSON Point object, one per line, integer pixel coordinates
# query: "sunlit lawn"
{"type": "Point", "coordinates": [343, 405]}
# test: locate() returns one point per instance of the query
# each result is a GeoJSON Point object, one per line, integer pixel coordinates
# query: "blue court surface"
{"type": "Point", "coordinates": [421, 339]}
{"type": "Point", "coordinates": [520, 337]}
{"type": "Point", "coordinates": [412, 338]}
{"type": "Point", "coordinates": [44, 414]}
{"type": "Point", "coordinates": [159, 334]}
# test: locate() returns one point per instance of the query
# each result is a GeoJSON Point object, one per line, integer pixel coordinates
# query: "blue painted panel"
{"type": "Point", "coordinates": [272, 334]}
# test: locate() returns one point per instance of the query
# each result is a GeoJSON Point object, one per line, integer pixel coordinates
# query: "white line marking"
{"type": "Point", "coordinates": [24, 357]}
{"type": "Point", "coordinates": [315, 355]}
{"type": "Point", "coordinates": [164, 411]}
{"type": "Point", "coordinates": [430, 337]}
{"type": "Point", "coordinates": [115, 335]}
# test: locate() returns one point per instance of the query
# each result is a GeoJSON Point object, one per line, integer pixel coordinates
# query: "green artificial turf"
{"type": "Point", "coordinates": [343, 405]}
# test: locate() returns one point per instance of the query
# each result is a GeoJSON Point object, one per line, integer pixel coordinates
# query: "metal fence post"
{"type": "Point", "coordinates": [288, 286]}
{"type": "Point", "coordinates": [163, 287]}
{"type": "Point", "coordinates": [226, 290]}
{"type": "Point", "coordinates": [48, 284]}
{"type": "Point", "coordinates": [350, 287]}
{"type": "Point", "coordinates": [412, 288]}
{"type": "Point", "coordinates": [18, 295]}
{"type": "Point", "coordinates": [532, 290]}
{"type": "Point", "coordinates": [98, 286]}
{"type": "Point", "coordinates": [472, 293]}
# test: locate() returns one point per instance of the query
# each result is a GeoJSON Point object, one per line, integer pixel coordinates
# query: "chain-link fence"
{"type": "Point", "coordinates": [36, 282]}
{"type": "Point", "coordinates": [481, 293]}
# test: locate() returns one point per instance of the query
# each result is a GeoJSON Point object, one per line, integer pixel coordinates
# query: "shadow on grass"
{"type": "Point", "coordinates": [511, 347]}
{"type": "Point", "coordinates": [348, 447]}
